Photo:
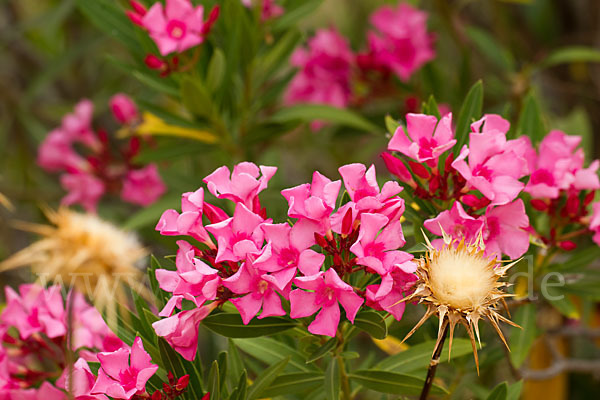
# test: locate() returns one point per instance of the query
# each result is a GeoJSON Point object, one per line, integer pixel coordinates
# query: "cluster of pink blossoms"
{"type": "Point", "coordinates": [88, 177]}
{"type": "Point", "coordinates": [483, 183]}
{"type": "Point", "coordinates": [257, 264]}
{"type": "Point", "coordinates": [401, 45]}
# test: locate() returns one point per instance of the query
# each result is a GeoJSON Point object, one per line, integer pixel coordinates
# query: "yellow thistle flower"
{"type": "Point", "coordinates": [86, 252]}
{"type": "Point", "coordinates": [460, 285]}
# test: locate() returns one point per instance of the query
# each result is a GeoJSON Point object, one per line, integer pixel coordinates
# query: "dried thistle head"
{"type": "Point", "coordinates": [82, 250]}
{"type": "Point", "coordinates": [461, 285]}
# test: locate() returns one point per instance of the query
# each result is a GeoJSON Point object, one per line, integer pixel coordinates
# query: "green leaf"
{"type": "Point", "coordinates": [530, 121]}
{"type": "Point", "coordinates": [562, 303]}
{"type": "Point", "coordinates": [196, 98]}
{"type": "Point", "coordinates": [163, 85]}
{"type": "Point", "coordinates": [499, 393]}
{"type": "Point", "coordinates": [391, 124]}
{"type": "Point", "coordinates": [171, 361]}
{"type": "Point", "coordinates": [319, 112]}
{"type": "Point", "coordinates": [323, 350]}
{"type": "Point", "coordinates": [240, 391]}
{"type": "Point", "coordinates": [491, 49]}
{"type": "Point", "coordinates": [265, 379]}
{"type": "Point", "coordinates": [571, 55]}
{"type": "Point", "coordinates": [372, 323]}
{"type": "Point", "coordinates": [277, 55]}
{"type": "Point", "coordinates": [298, 382]}
{"type": "Point", "coordinates": [151, 214]}
{"type": "Point", "coordinates": [231, 325]}
{"type": "Point", "coordinates": [391, 382]}
{"type": "Point", "coordinates": [418, 356]}
{"type": "Point", "coordinates": [271, 351]}
{"type": "Point", "coordinates": [293, 15]}
{"type": "Point", "coordinates": [216, 70]}
{"type": "Point", "coordinates": [470, 110]}
{"type": "Point", "coordinates": [222, 359]}
{"type": "Point", "coordinates": [521, 340]}
{"type": "Point", "coordinates": [236, 365]}
{"type": "Point", "coordinates": [579, 260]}
{"type": "Point", "coordinates": [514, 391]}
{"type": "Point", "coordinates": [214, 385]}
{"type": "Point", "coordinates": [332, 380]}
{"type": "Point", "coordinates": [431, 108]}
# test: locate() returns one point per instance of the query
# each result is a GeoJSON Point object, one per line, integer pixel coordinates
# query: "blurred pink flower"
{"type": "Point", "coordinates": [123, 108]}
{"type": "Point", "coordinates": [78, 124]}
{"type": "Point", "coordinates": [427, 138]}
{"type": "Point", "coordinates": [83, 188]}
{"type": "Point", "coordinates": [143, 186]}
{"type": "Point", "coordinates": [176, 27]}
{"type": "Point", "coordinates": [124, 372]}
{"type": "Point", "coordinates": [595, 222]}
{"type": "Point", "coordinates": [79, 382]}
{"type": "Point", "coordinates": [56, 153]}
{"type": "Point", "coordinates": [270, 10]}
{"type": "Point", "coordinates": [402, 43]}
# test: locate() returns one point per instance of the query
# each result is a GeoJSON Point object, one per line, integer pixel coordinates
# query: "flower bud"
{"type": "Point", "coordinates": [418, 169]}
{"type": "Point", "coordinates": [154, 62]}
{"type": "Point", "coordinates": [123, 108]}
{"type": "Point", "coordinates": [183, 382]}
{"type": "Point", "coordinates": [396, 167]}
{"type": "Point", "coordinates": [539, 205]}
{"type": "Point", "coordinates": [567, 245]}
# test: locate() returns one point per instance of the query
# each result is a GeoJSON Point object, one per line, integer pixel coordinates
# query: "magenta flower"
{"type": "Point", "coordinates": [82, 188]}
{"type": "Point", "coordinates": [395, 285]}
{"type": "Point", "coordinates": [79, 382]}
{"type": "Point", "coordinates": [427, 139]}
{"type": "Point", "coordinates": [326, 290]}
{"type": "Point", "coordinates": [494, 166]}
{"type": "Point", "coordinates": [403, 44]}
{"type": "Point", "coordinates": [175, 28]}
{"type": "Point", "coordinates": [455, 223]}
{"type": "Point", "coordinates": [324, 71]}
{"type": "Point", "coordinates": [241, 186]}
{"type": "Point", "coordinates": [181, 330]}
{"type": "Point", "coordinates": [239, 235]}
{"type": "Point", "coordinates": [124, 372]}
{"type": "Point", "coordinates": [56, 153]}
{"type": "Point", "coordinates": [397, 168]}
{"type": "Point", "coordinates": [314, 201]}
{"type": "Point", "coordinates": [260, 291]}
{"type": "Point", "coordinates": [78, 125]}
{"type": "Point", "coordinates": [559, 166]}
{"type": "Point", "coordinates": [143, 186]}
{"type": "Point", "coordinates": [123, 108]}
{"type": "Point", "coordinates": [270, 10]}
{"type": "Point", "coordinates": [504, 230]}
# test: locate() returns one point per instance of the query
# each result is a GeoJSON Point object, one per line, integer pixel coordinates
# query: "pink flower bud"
{"type": "Point", "coordinates": [567, 245]}
{"type": "Point", "coordinates": [123, 108]}
{"type": "Point", "coordinates": [396, 167]}
{"type": "Point", "coordinates": [418, 169]}
{"type": "Point", "coordinates": [154, 62]}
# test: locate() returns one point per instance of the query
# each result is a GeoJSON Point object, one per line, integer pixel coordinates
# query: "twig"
{"type": "Point", "coordinates": [435, 360]}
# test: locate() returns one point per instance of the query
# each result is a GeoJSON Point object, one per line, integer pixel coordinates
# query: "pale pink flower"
{"type": "Point", "coordinates": [124, 372]}
{"type": "Point", "coordinates": [239, 235]}
{"type": "Point", "coordinates": [83, 188]}
{"type": "Point", "coordinates": [324, 71]}
{"type": "Point", "coordinates": [123, 108]}
{"type": "Point", "coordinates": [494, 167]}
{"type": "Point", "coordinates": [455, 223]}
{"type": "Point", "coordinates": [79, 381]}
{"type": "Point", "coordinates": [78, 124]}
{"type": "Point", "coordinates": [270, 10]}
{"type": "Point", "coordinates": [402, 43]}
{"type": "Point", "coordinates": [260, 291]}
{"type": "Point", "coordinates": [323, 291]}
{"type": "Point", "coordinates": [176, 27]}
{"type": "Point", "coordinates": [595, 222]}
{"type": "Point", "coordinates": [504, 230]}
{"type": "Point", "coordinates": [56, 153]}
{"type": "Point", "coordinates": [427, 138]}
{"type": "Point", "coordinates": [395, 284]}
{"type": "Point", "coordinates": [241, 186]}
{"type": "Point", "coordinates": [143, 186]}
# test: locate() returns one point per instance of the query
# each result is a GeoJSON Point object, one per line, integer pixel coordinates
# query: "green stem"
{"type": "Point", "coordinates": [346, 395]}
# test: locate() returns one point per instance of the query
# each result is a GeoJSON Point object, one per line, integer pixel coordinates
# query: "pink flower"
{"type": "Point", "coordinates": [241, 186]}
{"type": "Point", "coordinates": [314, 201]}
{"type": "Point", "coordinates": [456, 223]}
{"type": "Point", "coordinates": [270, 10]}
{"type": "Point", "coordinates": [124, 372]}
{"type": "Point", "coordinates": [429, 138]}
{"type": "Point", "coordinates": [504, 230]}
{"type": "Point", "coordinates": [82, 188]}
{"type": "Point", "coordinates": [397, 168]}
{"type": "Point", "coordinates": [78, 125]}
{"type": "Point", "coordinates": [494, 166]}
{"type": "Point", "coordinates": [395, 284]}
{"type": "Point", "coordinates": [79, 381]}
{"type": "Point", "coordinates": [181, 330]}
{"type": "Point", "coordinates": [143, 186]}
{"type": "Point", "coordinates": [595, 222]}
{"type": "Point", "coordinates": [56, 153]}
{"type": "Point", "coordinates": [177, 27]}
{"type": "Point", "coordinates": [123, 108]}
{"type": "Point", "coordinates": [326, 290]}
{"type": "Point", "coordinates": [324, 71]}
{"type": "Point", "coordinates": [238, 236]}
{"type": "Point", "coordinates": [375, 249]}
{"type": "Point", "coordinates": [559, 166]}
{"type": "Point", "coordinates": [403, 44]}
{"type": "Point", "coordinates": [289, 247]}
{"type": "Point", "coordinates": [260, 291]}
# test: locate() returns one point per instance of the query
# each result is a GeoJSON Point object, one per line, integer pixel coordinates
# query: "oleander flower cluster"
{"type": "Point", "coordinates": [89, 165]}
{"type": "Point", "coordinates": [313, 264]}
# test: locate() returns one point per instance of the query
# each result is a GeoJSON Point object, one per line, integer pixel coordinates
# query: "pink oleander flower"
{"type": "Point", "coordinates": [455, 223]}
{"type": "Point", "coordinates": [402, 43]}
{"type": "Point", "coordinates": [193, 280]}
{"type": "Point", "coordinates": [595, 222]}
{"type": "Point", "coordinates": [241, 186]}
{"type": "Point", "coordinates": [395, 285]}
{"type": "Point", "coordinates": [559, 166]}
{"type": "Point", "coordinates": [35, 310]}
{"type": "Point", "coordinates": [427, 139]}
{"type": "Point", "coordinates": [325, 70]}
{"type": "Point", "coordinates": [314, 201]}
{"type": "Point", "coordinates": [260, 289]}
{"type": "Point", "coordinates": [123, 108]}
{"type": "Point", "coordinates": [124, 372]}
{"type": "Point", "coordinates": [45, 392]}
{"type": "Point", "coordinates": [239, 235]}
{"type": "Point", "coordinates": [78, 124]}
{"type": "Point", "coordinates": [143, 186]}
{"type": "Point", "coordinates": [504, 230]}
{"type": "Point", "coordinates": [79, 382]}
{"type": "Point", "coordinates": [288, 248]}
{"type": "Point", "coordinates": [377, 243]}
{"type": "Point", "coordinates": [82, 188]}
{"type": "Point", "coordinates": [181, 330]}
{"type": "Point", "coordinates": [494, 165]}
{"type": "Point", "coordinates": [176, 27]}
{"type": "Point", "coordinates": [323, 291]}
{"type": "Point", "coordinates": [56, 153]}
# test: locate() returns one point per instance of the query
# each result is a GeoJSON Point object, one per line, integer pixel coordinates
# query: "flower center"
{"type": "Point", "coordinates": [262, 286]}
{"type": "Point", "coordinates": [176, 29]}
{"type": "Point", "coordinates": [483, 171]}
{"type": "Point", "coordinates": [128, 378]}
{"type": "Point", "coordinates": [288, 257]}
{"type": "Point", "coordinates": [542, 176]}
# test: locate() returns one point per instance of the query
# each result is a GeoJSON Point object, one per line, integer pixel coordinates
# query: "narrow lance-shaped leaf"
{"type": "Point", "coordinates": [263, 380]}
{"type": "Point", "coordinates": [470, 110]}
{"type": "Point", "coordinates": [332, 380]}
{"type": "Point", "coordinates": [521, 340]}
